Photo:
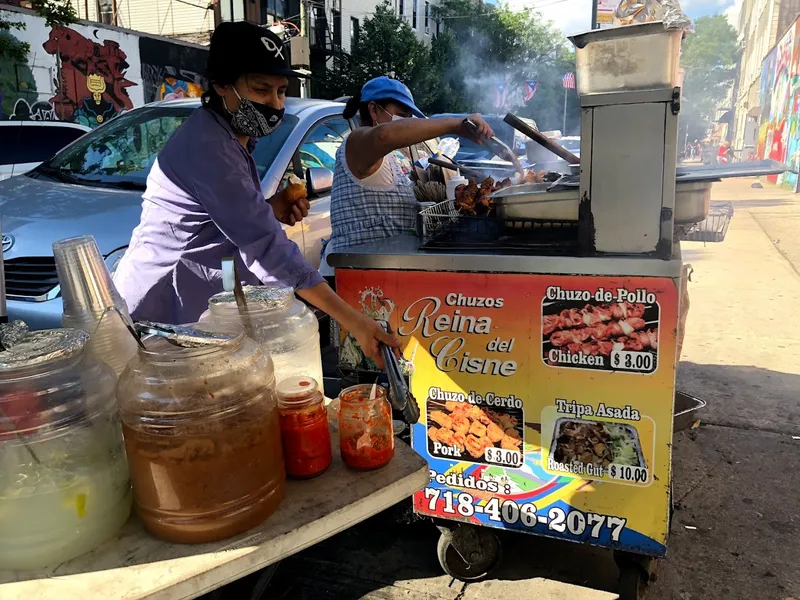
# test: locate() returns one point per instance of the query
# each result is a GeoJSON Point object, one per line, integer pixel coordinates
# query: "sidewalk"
{"type": "Point", "coordinates": [736, 477]}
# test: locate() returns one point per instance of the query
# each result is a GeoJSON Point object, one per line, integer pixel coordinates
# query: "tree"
{"type": "Point", "coordinates": [55, 12]}
{"type": "Point", "coordinates": [386, 46]}
{"type": "Point", "coordinates": [710, 57]}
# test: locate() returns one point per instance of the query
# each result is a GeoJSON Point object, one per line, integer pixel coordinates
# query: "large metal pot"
{"type": "Point", "coordinates": [692, 201]}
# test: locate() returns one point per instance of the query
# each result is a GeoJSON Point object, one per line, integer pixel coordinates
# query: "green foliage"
{"type": "Point", "coordinates": [55, 13]}
{"type": "Point", "coordinates": [479, 46]}
{"type": "Point", "coordinates": [386, 46]}
{"type": "Point", "coordinates": [710, 56]}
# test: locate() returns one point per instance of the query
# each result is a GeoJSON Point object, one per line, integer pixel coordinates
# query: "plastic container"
{"type": "Point", "coordinates": [304, 428]}
{"type": "Point", "coordinates": [86, 292]}
{"type": "Point", "coordinates": [453, 183]}
{"type": "Point", "coordinates": [366, 438]}
{"type": "Point", "coordinates": [202, 438]}
{"type": "Point", "coordinates": [64, 485]}
{"type": "Point", "coordinates": [281, 323]}
{"type": "Point", "coordinates": [634, 57]}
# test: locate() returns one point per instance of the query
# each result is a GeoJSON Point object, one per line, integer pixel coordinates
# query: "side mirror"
{"type": "Point", "coordinates": [320, 181]}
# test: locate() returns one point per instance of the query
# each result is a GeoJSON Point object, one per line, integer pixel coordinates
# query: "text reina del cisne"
{"type": "Point", "coordinates": [424, 319]}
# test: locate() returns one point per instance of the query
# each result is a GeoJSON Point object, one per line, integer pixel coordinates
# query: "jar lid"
{"type": "Point", "coordinates": [266, 297]}
{"type": "Point", "coordinates": [293, 388]}
{"type": "Point", "coordinates": [39, 347]}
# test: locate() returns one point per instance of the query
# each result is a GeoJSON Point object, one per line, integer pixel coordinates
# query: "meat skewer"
{"type": "Point", "coordinates": [636, 341]}
{"type": "Point", "coordinates": [597, 332]}
{"type": "Point", "coordinates": [591, 315]}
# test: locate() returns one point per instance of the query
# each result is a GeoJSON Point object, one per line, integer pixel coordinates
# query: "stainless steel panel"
{"type": "Point", "coordinates": [663, 94]}
{"type": "Point", "coordinates": [401, 253]}
{"type": "Point", "coordinates": [628, 177]}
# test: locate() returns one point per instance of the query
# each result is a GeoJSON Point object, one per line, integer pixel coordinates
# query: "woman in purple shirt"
{"type": "Point", "coordinates": [204, 200]}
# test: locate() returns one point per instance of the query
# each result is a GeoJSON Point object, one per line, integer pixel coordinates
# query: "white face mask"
{"type": "Point", "coordinates": [394, 117]}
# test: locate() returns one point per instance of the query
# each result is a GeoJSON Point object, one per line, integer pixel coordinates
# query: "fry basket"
{"type": "Point", "coordinates": [715, 226]}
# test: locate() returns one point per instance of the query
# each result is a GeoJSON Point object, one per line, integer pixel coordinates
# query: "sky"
{"type": "Point", "coordinates": [574, 16]}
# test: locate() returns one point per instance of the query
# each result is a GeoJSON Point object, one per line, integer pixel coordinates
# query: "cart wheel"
{"type": "Point", "coordinates": [632, 583]}
{"type": "Point", "coordinates": [482, 550]}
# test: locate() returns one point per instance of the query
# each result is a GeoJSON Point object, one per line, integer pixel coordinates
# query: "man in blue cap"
{"type": "Point", "coordinates": [371, 198]}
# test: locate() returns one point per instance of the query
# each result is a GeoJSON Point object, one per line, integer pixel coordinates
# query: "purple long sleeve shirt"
{"type": "Point", "coordinates": [203, 202]}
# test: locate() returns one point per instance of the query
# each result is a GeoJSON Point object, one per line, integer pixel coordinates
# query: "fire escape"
{"type": "Point", "coordinates": [325, 32]}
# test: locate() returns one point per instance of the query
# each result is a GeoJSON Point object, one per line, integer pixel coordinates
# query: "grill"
{"type": "Point", "coordinates": [443, 228]}
{"type": "Point", "coordinates": [30, 277]}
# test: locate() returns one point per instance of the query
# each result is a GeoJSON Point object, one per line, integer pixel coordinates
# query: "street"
{"type": "Point", "coordinates": [736, 476]}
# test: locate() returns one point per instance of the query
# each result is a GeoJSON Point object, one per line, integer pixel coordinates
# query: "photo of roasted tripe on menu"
{"type": "Point", "coordinates": [613, 336]}
{"type": "Point", "coordinates": [595, 443]}
{"type": "Point", "coordinates": [464, 431]}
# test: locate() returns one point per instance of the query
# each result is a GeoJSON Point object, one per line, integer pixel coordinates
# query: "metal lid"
{"type": "Point", "coordinates": [268, 297]}
{"type": "Point", "coordinates": [39, 347]}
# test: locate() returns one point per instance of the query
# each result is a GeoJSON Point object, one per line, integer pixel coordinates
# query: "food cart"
{"type": "Point", "coordinates": [542, 334]}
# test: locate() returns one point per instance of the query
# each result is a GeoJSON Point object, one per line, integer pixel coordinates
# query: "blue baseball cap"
{"type": "Point", "coordinates": [384, 88]}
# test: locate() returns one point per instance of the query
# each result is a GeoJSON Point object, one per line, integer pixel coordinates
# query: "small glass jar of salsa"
{"type": "Point", "coordinates": [304, 427]}
{"type": "Point", "coordinates": [366, 439]}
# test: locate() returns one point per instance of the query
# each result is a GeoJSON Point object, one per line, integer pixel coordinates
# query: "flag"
{"type": "Point", "coordinates": [531, 86]}
{"type": "Point", "coordinates": [501, 95]}
{"type": "Point", "coordinates": [568, 81]}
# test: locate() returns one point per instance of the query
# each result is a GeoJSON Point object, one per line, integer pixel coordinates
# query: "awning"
{"type": "Point", "coordinates": [754, 112]}
{"type": "Point", "coordinates": [727, 117]}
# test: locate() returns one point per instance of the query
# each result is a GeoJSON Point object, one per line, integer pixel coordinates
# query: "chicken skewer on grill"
{"type": "Point", "coordinates": [591, 315]}
{"type": "Point", "coordinates": [599, 332]}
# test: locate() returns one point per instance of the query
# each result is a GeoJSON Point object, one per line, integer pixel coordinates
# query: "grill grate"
{"type": "Point", "coordinates": [443, 228]}
{"type": "Point", "coordinates": [30, 277]}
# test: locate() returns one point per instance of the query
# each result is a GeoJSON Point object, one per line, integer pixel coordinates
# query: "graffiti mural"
{"type": "Point", "coordinates": [171, 71]}
{"type": "Point", "coordinates": [92, 86]}
{"type": "Point", "coordinates": [779, 134]}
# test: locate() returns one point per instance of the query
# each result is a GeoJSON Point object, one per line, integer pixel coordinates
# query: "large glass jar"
{"type": "Point", "coordinates": [366, 439]}
{"type": "Point", "coordinates": [64, 485]}
{"type": "Point", "coordinates": [281, 323]}
{"type": "Point", "coordinates": [202, 438]}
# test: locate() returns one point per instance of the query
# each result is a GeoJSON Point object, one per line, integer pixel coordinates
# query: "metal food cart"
{"type": "Point", "coordinates": [543, 351]}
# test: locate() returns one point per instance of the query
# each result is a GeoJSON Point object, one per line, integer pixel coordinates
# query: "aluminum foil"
{"type": "Point", "coordinates": [270, 297]}
{"type": "Point", "coordinates": [39, 347]}
{"type": "Point", "coordinates": [12, 333]}
{"type": "Point", "coordinates": [186, 337]}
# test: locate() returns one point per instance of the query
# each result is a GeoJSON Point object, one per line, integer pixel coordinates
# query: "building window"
{"type": "Point", "coordinates": [337, 28]}
{"type": "Point", "coordinates": [427, 16]}
{"type": "Point", "coordinates": [401, 8]}
{"type": "Point", "coordinates": [231, 10]}
{"type": "Point", "coordinates": [355, 31]}
{"type": "Point", "coordinates": [414, 13]}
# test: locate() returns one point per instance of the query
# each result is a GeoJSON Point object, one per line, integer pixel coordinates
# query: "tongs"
{"type": "Point", "coordinates": [185, 337]}
{"type": "Point", "coordinates": [500, 148]}
{"type": "Point", "coordinates": [400, 396]}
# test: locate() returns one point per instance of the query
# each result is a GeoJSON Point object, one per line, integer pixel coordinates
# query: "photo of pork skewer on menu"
{"type": "Point", "coordinates": [614, 336]}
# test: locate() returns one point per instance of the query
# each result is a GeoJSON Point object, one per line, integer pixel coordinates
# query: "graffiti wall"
{"type": "Point", "coordinates": [779, 135]}
{"type": "Point", "coordinates": [87, 73]}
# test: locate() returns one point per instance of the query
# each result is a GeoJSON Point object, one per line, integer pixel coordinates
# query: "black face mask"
{"type": "Point", "coordinates": [254, 119]}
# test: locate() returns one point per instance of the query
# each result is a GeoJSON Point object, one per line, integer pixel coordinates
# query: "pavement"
{"type": "Point", "coordinates": [736, 529]}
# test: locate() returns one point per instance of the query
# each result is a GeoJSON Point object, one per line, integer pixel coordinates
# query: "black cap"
{"type": "Point", "coordinates": [240, 48]}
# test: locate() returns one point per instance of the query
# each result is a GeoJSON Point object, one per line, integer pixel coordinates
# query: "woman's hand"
{"type": "Point", "coordinates": [288, 208]}
{"type": "Point", "coordinates": [369, 335]}
{"type": "Point", "coordinates": [483, 130]}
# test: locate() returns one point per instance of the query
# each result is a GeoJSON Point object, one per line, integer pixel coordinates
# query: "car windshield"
{"type": "Point", "coordinates": [122, 152]}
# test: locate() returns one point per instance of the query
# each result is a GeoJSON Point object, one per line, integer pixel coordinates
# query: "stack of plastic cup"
{"type": "Point", "coordinates": [87, 293]}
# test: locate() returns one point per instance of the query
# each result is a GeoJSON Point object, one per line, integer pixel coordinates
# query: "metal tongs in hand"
{"type": "Point", "coordinates": [399, 394]}
{"type": "Point", "coordinates": [500, 148]}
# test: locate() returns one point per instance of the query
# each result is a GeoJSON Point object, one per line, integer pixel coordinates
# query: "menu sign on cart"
{"type": "Point", "coordinates": [546, 399]}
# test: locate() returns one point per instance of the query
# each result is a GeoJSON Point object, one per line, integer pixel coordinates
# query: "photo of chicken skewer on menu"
{"type": "Point", "coordinates": [618, 336]}
{"type": "Point", "coordinates": [464, 431]}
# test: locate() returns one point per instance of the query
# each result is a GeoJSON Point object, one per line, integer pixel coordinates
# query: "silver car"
{"type": "Point", "coordinates": [25, 144]}
{"type": "Point", "coordinates": [94, 187]}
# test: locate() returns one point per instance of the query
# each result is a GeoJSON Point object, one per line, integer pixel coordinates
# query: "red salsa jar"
{"type": "Point", "coordinates": [366, 439]}
{"type": "Point", "coordinates": [304, 427]}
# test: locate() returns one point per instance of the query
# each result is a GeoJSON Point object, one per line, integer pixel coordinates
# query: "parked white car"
{"type": "Point", "coordinates": [24, 145]}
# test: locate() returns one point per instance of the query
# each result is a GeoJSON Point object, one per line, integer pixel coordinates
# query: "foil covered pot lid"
{"type": "Point", "coordinates": [270, 297]}
{"type": "Point", "coordinates": [39, 347]}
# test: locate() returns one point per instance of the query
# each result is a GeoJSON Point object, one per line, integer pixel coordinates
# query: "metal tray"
{"type": "Point", "coordinates": [730, 170]}
{"type": "Point", "coordinates": [685, 413]}
{"type": "Point", "coordinates": [631, 430]}
{"type": "Point", "coordinates": [534, 201]}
